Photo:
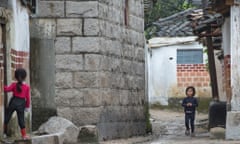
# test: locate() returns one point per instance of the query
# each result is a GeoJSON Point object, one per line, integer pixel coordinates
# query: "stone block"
{"type": "Point", "coordinates": [69, 97]}
{"type": "Point", "coordinates": [91, 27]}
{"type": "Point", "coordinates": [136, 8]}
{"type": "Point", "coordinates": [107, 98]}
{"type": "Point", "coordinates": [92, 62]}
{"type": "Point", "coordinates": [117, 81]}
{"type": "Point", "coordinates": [64, 80]}
{"type": "Point", "coordinates": [88, 134]}
{"type": "Point", "coordinates": [69, 62]}
{"type": "Point", "coordinates": [139, 54]}
{"type": "Point", "coordinates": [65, 112]}
{"type": "Point", "coordinates": [217, 133]}
{"type": "Point", "coordinates": [111, 97]}
{"type": "Point", "coordinates": [92, 97]}
{"type": "Point", "coordinates": [43, 28]}
{"type": "Point", "coordinates": [105, 63]}
{"type": "Point", "coordinates": [46, 139]}
{"type": "Point", "coordinates": [124, 97]}
{"type": "Point", "coordinates": [109, 46]}
{"type": "Point", "coordinates": [126, 66]}
{"type": "Point", "coordinates": [102, 13]}
{"type": "Point", "coordinates": [86, 115]}
{"type": "Point", "coordinates": [233, 125]}
{"type": "Point", "coordinates": [136, 23]}
{"type": "Point", "coordinates": [63, 45]}
{"type": "Point", "coordinates": [85, 80]}
{"type": "Point", "coordinates": [105, 80]}
{"type": "Point", "coordinates": [127, 50]}
{"type": "Point", "coordinates": [82, 8]}
{"type": "Point", "coordinates": [50, 9]}
{"type": "Point", "coordinates": [85, 44]}
{"type": "Point", "coordinates": [69, 27]}
{"type": "Point", "coordinates": [116, 15]}
{"type": "Point", "coordinates": [57, 125]}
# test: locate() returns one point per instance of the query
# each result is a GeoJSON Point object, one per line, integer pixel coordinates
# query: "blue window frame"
{"type": "Point", "coordinates": [189, 56]}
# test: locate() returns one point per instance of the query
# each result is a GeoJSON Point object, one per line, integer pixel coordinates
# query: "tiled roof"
{"type": "Point", "coordinates": [205, 25]}
{"type": "Point", "coordinates": [175, 25]}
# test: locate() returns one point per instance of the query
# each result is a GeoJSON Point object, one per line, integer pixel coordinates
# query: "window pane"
{"type": "Point", "coordinates": [190, 56]}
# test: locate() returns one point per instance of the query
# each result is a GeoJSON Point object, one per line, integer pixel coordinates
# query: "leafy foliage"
{"type": "Point", "coordinates": [161, 9]}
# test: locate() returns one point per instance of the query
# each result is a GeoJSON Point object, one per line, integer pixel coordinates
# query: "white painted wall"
{"type": "Point", "coordinates": [162, 73]}
{"type": "Point", "coordinates": [227, 37]}
{"type": "Point", "coordinates": [20, 36]}
{"type": "Point", "coordinates": [233, 123]}
{"type": "Point", "coordinates": [17, 38]}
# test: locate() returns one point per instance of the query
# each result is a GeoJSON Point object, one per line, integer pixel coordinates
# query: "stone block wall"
{"type": "Point", "coordinates": [99, 63]}
{"type": "Point", "coordinates": [122, 70]}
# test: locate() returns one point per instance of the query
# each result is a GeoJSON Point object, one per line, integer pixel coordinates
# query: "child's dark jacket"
{"type": "Point", "coordinates": [190, 109]}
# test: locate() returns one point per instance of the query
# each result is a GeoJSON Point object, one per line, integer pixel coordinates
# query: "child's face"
{"type": "Point", "coordinates": [189, 92]}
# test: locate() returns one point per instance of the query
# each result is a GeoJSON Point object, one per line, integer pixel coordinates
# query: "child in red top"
{"type": "Point", "coordinates": [20, 101]}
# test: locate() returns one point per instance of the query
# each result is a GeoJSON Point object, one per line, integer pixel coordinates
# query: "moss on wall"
{"type": "Point", "coordinates": [148, 123]}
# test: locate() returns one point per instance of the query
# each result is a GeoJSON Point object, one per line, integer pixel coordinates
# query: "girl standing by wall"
{"type": "Point", "coordinates": [20, 101]}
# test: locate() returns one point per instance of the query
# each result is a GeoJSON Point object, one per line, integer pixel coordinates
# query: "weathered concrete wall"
{"type": "Point", "coordinates": [233, 116]}
{"type": "Point", "coordinates": [226, 82]}
{"type": "Point", "coordinates": [99, 64]}
{"type": "Point", "coordinates": [42, 70]}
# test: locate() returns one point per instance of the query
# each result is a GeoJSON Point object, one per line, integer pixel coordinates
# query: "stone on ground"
{"type": "Point", "coordinates": [58, 125]}
{"type": "Point", "coordinates": [217, 133]}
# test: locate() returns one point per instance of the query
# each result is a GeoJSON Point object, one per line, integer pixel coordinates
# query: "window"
{"type": "Point", "coordinates": [189, 56]}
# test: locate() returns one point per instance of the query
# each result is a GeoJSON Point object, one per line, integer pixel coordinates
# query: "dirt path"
{"type": "Point", "coordinates": [168, 128]}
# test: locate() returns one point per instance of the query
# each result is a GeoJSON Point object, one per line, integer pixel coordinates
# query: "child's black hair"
{"type": "Point", "coordinates": [193, 89]}
{"type": "Point", "coordinates": [20, 75]}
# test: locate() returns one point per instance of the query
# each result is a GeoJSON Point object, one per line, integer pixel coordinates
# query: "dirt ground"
{"type": "Point", "coordinates": [168, 128]}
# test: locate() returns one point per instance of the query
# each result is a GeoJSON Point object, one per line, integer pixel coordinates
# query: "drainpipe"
{"type": "Point", "coordinates": [212, 67]}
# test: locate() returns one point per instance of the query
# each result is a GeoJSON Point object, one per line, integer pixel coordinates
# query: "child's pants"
{"type": "Point", "coordinates": [190, 118]}
{"type": "Point", "coordinates": [18, 105]}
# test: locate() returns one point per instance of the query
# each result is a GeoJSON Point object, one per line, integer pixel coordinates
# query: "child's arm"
{"type": "Point", "coordinates": [184, 103]}
{"type": "Point", "coordinates": [195, 103]}
{"type": "Point", "coordinates": [8, 88]}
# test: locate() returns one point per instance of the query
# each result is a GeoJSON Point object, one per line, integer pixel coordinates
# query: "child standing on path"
{"type": "Point", "coordinates": [20, 101]}
{"type": "Point", "coordinates": [190, 103]}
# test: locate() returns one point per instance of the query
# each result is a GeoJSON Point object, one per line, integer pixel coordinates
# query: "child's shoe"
{"type": "Point", "coordinates": [187, 132]}
{"type": "Point", "coordinates": [192, 134]}
{"type": "Point", "coordinates": [24, 135]}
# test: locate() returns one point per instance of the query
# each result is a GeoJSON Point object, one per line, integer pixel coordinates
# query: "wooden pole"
{"type": "Point", "coordinates": [212, 67]}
